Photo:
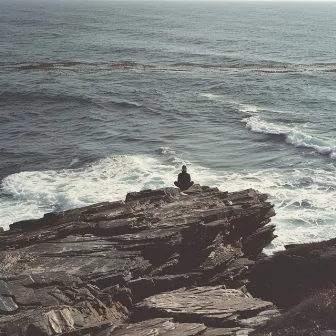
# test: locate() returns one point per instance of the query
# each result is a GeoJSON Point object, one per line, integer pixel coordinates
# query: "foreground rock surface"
{"type": "Point", "coordinates": [314, 316]}
{"type": "Point", "coordinates": [300, 280]}
{"type": "Point", "coordinates": [157, 264]}
{"type": "Point", "coordinates": [295, 274]}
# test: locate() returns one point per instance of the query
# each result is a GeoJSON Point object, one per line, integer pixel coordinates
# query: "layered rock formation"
{"type": "Point", "coordinates": [302, 281]}
{"type": "Point", "coordinates": [157, 263]}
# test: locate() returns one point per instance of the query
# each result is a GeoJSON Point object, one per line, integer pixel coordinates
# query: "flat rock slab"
{"type": "Point", "coordinates": [214, 306]}
{"type": "Point", "coordinates": [158, 327]}
{"type": "Point", "coordinates": [169, 327]}
{"type": "Point", "coordinates": [227, 332]}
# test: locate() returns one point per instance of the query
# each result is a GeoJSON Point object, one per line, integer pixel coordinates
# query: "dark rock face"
{"type": "Point", "coordinates": [295, 274]}
{"type": "Point", "coordinates": [302, 280]}
{"type": "Point", "coordinates": [313, 316]}
{"type": "Point", "coordinates": [157, 264]}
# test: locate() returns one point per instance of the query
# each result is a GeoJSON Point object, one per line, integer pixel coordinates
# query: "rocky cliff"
{"type": "Point", "coordinates": [158, 263]}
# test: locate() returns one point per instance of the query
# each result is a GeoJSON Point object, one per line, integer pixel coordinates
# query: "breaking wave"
{"type": "Point", "coordinates": [304, 201]}
{"type": "Point", "coordinates": [304, 198]}
{"type": "Point", "coordinates": [291, 135]}
{"type": "Point", "coordinates": [30, 194]}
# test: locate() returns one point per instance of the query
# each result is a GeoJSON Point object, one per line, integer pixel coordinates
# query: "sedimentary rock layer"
{"type": "Point", "coordinates": [175, 264]}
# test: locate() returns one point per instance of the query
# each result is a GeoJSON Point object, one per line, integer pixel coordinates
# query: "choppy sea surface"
{"type": "Point", "coordinates": [101, 98]}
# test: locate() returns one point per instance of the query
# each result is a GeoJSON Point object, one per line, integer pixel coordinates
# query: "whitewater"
{"type": "Point", "coordinates": [100, 99]}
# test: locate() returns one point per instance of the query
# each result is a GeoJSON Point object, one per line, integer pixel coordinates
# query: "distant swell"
{"type": "Point", "coordinates": [263, 66]}
{"type": "Point", "coordinates": [291, 136]}
{"type": "Point", "coordinates": [46, 97]}
{"type": "Point", "coordinates": [74, 65]}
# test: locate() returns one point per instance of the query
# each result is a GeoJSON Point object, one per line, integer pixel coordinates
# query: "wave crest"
{"type": "Point", "coordinates": [291, 135]}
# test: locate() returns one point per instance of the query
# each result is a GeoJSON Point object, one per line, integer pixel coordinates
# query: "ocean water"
{"type": "Point", "coordinates": [101, 98]}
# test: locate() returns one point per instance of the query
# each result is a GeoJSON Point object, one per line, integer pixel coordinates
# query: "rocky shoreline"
{"type": "Point", "coordinates": [160, 263]}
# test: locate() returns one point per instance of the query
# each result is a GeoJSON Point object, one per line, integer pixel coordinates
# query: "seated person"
{"type": "Point", "coordinates": [183, 180]}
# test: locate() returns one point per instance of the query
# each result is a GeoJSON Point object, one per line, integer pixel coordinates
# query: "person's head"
{"type": "Point", "coordinates": [184, 169]}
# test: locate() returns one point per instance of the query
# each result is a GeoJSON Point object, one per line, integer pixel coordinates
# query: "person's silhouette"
{"type": "Point", "coordinates": [183, 180]}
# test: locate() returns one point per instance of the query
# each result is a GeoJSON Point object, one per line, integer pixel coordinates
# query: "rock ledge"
{"type": "Point", "coordinates": [157, 263]}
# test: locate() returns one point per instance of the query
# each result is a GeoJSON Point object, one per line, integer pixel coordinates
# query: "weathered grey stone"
{"type": "Point", "coordinates": [93, 264]}
{"type": "Point", "coordinates": [164, 327]}
{"type": "Point", "coordinates": [7, 305]}
{"type": "Point", "coordinates": [214, 306]}
{"type": "Point", "coordinates": [41, 322]}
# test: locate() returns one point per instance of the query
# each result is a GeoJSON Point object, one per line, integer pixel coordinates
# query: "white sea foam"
{"type": "Point", "coordinates": [166, 151]}
{"type": "Point", "coordinates": [304, 198]}
{"type": "Point", "coordinates": [244, 108]}
{"type": "Point", "coordinates": [292, 135]}
{"type": "Point", "coordinates": [74, 161]}
{"type": "Point", "coordinates": [211, 96]}
{"type": "Point", "coordinates": [248, 108]}
{"type": "Point", "coordinates": [36, 192]}
{"type": "Point", "coordinates": [108, 179]}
